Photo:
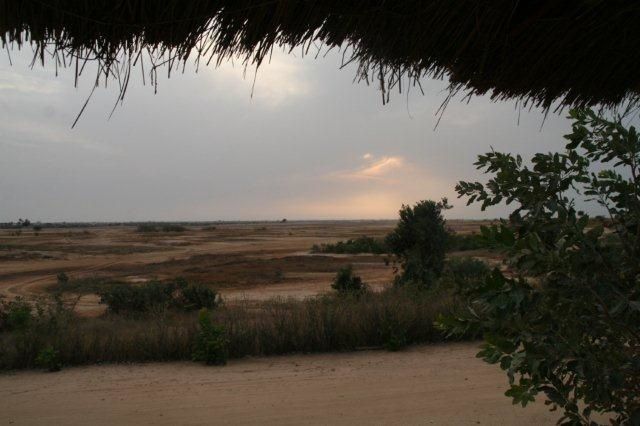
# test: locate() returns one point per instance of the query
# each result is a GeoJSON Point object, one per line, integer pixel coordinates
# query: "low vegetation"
{"type": "Point", "coordinates": [467, 242]}
{"type": "Point", "coordinates": [461, 274]}
{"type": "Point", "coordinates": [393, 318]}
{"type": "Point", "coordinates": [212, 344]}
{"type": "Point", "coordinates": [179, 294]}
{"type": "Point", "coordinates": [346, 282]}
{"type": "Point", "coordinates": [85, 285]}
{"type": "Point", "coordinates": [358, 245]}
{"type": "Point", "coordinates": [151, 227]}
{"type": "Point", "coordinates": [365, 244]}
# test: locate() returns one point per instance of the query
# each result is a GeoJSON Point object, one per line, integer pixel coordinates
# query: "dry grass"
{"type": "Point", "coordinates": [393, 318]}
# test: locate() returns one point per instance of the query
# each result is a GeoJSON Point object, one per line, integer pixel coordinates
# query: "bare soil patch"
{"type": "Point", "coordinates": [241, 260]}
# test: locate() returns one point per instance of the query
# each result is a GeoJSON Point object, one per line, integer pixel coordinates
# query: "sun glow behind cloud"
{"type": "Point", "coordinates": [274, 84]}
{"type": "Point", "coordinates": [374, 188]}
{"type": "Point", "coordinates": [380, 169]}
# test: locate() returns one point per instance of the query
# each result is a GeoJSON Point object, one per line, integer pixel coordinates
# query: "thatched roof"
{"type": "Point", "coordinates": [577, 52]}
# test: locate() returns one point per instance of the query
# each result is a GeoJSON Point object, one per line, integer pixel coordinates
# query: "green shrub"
{"type": "Point", "coordinates": [142, 298]}
{"type": "Point", "coordinates": [147, 227]}
{"type": "Point", "coordinates": [49, 358]}
{"type": "Point", "coordinates": [212, 345]}
{"type": "Point", "coordinates": [466, 242]}
{"type": "Point", "coordinates": [62, 279]}
{"type": "Point", "coordinates": [347, 282]}
{"type": "Point", "coordinates": [173, 228]}
{"type": "Point", "coordinates": [419, 242]}
{"type": "Point", "coordinates": [394, 336]}
{"type": "Point", "coordinates": [127, 298]}
{"type": "Point", "coordinates": [195, 296]}
{"type": "Point", "coordinates": [465, 273]}
{"type": "Point", "coordinates": [15, 315]}
{"type": "Point", "coordinates": [362, 244]}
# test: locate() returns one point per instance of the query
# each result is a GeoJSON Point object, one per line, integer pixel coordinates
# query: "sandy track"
{"type": "Point", "coordinates": [440, 385]}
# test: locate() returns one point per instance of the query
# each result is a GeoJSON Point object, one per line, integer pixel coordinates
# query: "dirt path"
{"type": "Point", "coordinates": [440, 385]}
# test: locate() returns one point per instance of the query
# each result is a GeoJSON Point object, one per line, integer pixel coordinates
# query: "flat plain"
{"type": "Point", "coordinates": [434, 384]}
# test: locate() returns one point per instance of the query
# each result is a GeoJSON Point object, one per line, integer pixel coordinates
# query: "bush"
{"type": "Point", "coordinates": [568, 326]}
{"type": "Point", "coordinates": [62, 279]}
{"type": "Point", "coordinates": [130, 298]}
{"type": "Point", "coordinates": [173, 228]}
{"type": "Point", "coordinates": [362, 244]}
{"type": "Point", "coordinates": [15, 315]}
{"type": "Point", "coordinates": [212, 345]}
{"type": "Point", "coordinates": [146, 227]}
{"type": "Point", "coordinates": [394, 335]}
{"type": "Point", "coordinates": [49, 358]}
{"type": "Point", "coordinates": [466, 242]}
{"type": "Point", "coordinates": [465, 273]}
{"type": "Point", "coordinates": [122, 298]}
{"type": "Point", "coordinates": [195, 296]}
{"type": "Point", "coordinates": [419, 242]}
{"type": "Point", "coordinates": [346, 282]}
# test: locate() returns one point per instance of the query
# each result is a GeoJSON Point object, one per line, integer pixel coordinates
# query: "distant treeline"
{"type": "Point", "coordinates": [365, 244]}
{"type": "Point", "coordinates": [362, 244]}
{"type": "Point", "coordinates": [13, 225]}
{"type": "Point", "coordinates": [63, 225]}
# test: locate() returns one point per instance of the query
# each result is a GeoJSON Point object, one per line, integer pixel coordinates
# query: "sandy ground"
{"type": "Point", "coordinates": [241, 261]}
{"type": "Point", "coordinates": [439, 385]}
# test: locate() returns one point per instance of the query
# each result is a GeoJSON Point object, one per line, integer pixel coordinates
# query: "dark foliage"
{"type": "Point", "coordinates": [358, 245]}
{"type": "Point", "coordinates": [465, 273]}
{"type": "Point", "coordinates": [419, 242]}
{"type": "Point", "coordinates": [347, 282]}
{"type": "Point", "coordinates": [212, 343]}
{"type": "Point", "coordinates": [568, 326]}
{"type": "Point", "coordinates": [123, 298]}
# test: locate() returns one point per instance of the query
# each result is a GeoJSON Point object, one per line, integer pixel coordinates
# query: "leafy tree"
{"type": "Point", "coordinates": [419, 242]}
{"type": "Point", "coordinates": [569, 324]}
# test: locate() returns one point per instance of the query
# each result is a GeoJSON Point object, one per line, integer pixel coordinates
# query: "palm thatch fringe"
{"type": "Point", "coordinates": [542, 52]}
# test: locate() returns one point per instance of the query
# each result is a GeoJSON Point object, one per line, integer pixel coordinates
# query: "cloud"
{"type": "Point", "coordinates": [378, 169]}
{"type": "Point", "coordinates": [382, 167]}
{"type": "Point", "coordinates": [277, 82]}
{"type": "Point", "coordinates": [13, 82]}
{"type": "Point", "coordinates": [26, 133]}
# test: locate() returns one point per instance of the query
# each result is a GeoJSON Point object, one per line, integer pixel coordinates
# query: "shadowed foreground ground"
{"type": "Point", "coordinates": [439, 384]}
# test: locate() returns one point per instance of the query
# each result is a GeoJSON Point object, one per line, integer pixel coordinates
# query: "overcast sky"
{"type": "Point", "coordinates": [309, 144]}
